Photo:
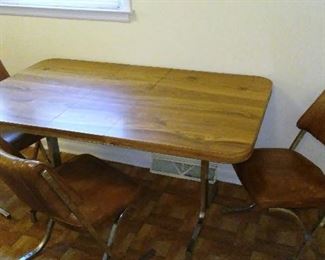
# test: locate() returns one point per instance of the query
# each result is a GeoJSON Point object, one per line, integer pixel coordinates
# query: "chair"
{"type": "Point", "coordinates": [80, 194]}
{"type": "Point", "coordinates": [282, 179]}
{"type": "Point", "coordinates": [19, 141]}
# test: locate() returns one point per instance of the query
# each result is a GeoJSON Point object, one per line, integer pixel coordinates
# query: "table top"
{"type": "Point", "coordinates": [202, 115]}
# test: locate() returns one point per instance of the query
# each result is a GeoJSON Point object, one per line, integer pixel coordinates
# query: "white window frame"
{"type": "Point", "coordinates": [123, 14]}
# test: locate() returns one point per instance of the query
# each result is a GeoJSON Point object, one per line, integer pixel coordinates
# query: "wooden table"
{"type": "Point", "coordinates": [207, 116]}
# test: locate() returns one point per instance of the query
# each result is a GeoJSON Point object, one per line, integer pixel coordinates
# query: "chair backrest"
{"type": "Point", "coordinates": [313, 120]}
{"type": "Point", "coordinates": [25, 180]}
{"type": "Point", "coordinates": [3, 72]}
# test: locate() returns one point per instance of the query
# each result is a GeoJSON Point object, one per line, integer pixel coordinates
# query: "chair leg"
{"type": "Point", "coordinates": [227, 210]}
{"type": "Point", "coordinates": [54, 151]}
{"type": "Point", "coordinates": [307, 237]}
{"type": "Point", "coordinates": [74, 209]}
{"type": "Point", "coordinates": [112, 233]}
{"type": "Point", "coordinates": [43, 151]}
{"type": "Point", "coordinates": [42, 244]}
{"type": "Point", "coordinates": [40, 148]}
{"type": "Point", "coordinates": [33, 216]}
{"type": "Point", "coordinates": [148, 255]}
{"type": "Point", "coordinates": [5, 213]}
{"type": "Point", "coordinates": [295, 217]}
{"type": "Point", "coordinates": [36, 150]}
{"type": "Point", "coordinates": [320, 224]}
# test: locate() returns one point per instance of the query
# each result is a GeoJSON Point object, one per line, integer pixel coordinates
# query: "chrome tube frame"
{"type": "Point", "coordinates": [33, 216]}
{"type": "Point", "coordinates": [5, 213]}
{"type": "Point", "coordinates": [203, 207]}
{"type": "Point", "coordinates": [307, 236]}
{"type": "Point", "coordinates": [75, 210]}
{"type": "Point", "coordinates": [36, 150]}
{"type": "Point", "coordinates": [42, 244]}
{"type": "Point", "coordinates": [54, 151]}
{"type": "Point", "coordinates": [112, 233]}
{"type": "Point", "coordinates": [297, 140]}
{"type": "Point", "coordinates": [320, 224]}
{"type": "Point", "coordinates": [43, 151]}
{"type": "Point", "coordinates": [294, 216]}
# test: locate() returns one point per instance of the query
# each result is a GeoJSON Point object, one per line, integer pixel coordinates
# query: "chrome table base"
{"type": "Point", "coordinates": [54, 151]}
{"type": "Point", "coordinates": [203, 208]}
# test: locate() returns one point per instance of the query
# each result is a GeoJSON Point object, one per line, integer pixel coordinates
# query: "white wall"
{"type": "Point", "coordinates": [281, 40]}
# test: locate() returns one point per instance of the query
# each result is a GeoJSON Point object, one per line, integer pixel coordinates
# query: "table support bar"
{"type": "Point", "coordinates": [54, 151]}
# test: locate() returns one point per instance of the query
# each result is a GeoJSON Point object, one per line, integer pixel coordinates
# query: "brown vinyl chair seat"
{"type": "Point", "coordinates": [20, 141]}
{"type": "Point", "coordinates": [100, 190]}
{"type": "Point", "coordinates": [282, 178]}
{"type": "Point", "coordinates": [80, 194]}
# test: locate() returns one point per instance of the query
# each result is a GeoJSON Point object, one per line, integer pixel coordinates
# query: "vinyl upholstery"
{"type": "Point", "coordinates": [282, 178]}
{"type": "Point", "coordinates": [285, 178]}
{"type": "Point", "coordinates": [98, 190]}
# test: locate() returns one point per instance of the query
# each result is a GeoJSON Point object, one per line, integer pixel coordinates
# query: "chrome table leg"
{"type": "Point", "coordinates": [203, 207]}
{"type": "Point", "coordinates": [5, 213]}
{"type": "Point", "coordinates": [54, 151]}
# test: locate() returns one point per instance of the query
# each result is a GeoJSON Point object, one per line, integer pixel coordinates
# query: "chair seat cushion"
{"type": "Point", "coordinates": [20, 141]}
{"type": "Point", "coordinates": [99, 190]}
{"type": "Point", "coordinates": [282, 178]}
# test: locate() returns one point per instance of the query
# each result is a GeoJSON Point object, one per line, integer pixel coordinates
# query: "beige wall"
{"type": "Point", "coordinates": [281, 40]}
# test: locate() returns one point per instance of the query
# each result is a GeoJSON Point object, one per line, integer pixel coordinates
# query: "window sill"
{"type": "Point", "coordinates": [103, 15]}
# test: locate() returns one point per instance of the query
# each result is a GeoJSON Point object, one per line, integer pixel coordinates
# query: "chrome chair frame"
{"type": "Point", "coordinates": [307, 236]}
{"type": "Point", "coordinates": [73, 208]}
{"type": "Point", "coordinates": [53, 158]}
{"type": "Point", "coordinates": [40, 148]}
{"type": "Point", "coordinates": [5, 213]}
{"type": "Point", "coordinates": [112, 233]}
{"type": "Point", "coordinates": [36, 251]}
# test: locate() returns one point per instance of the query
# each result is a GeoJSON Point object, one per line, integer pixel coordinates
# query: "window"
{"type": "Point", "coordinates": [118, 10]}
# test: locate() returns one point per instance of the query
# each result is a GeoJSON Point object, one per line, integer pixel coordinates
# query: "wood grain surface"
{"type": "Point", "coordinates": [202, 115]}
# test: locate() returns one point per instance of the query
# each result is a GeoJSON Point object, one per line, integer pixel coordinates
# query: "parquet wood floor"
{"type": "Point", "coordinates": [163, 219]}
